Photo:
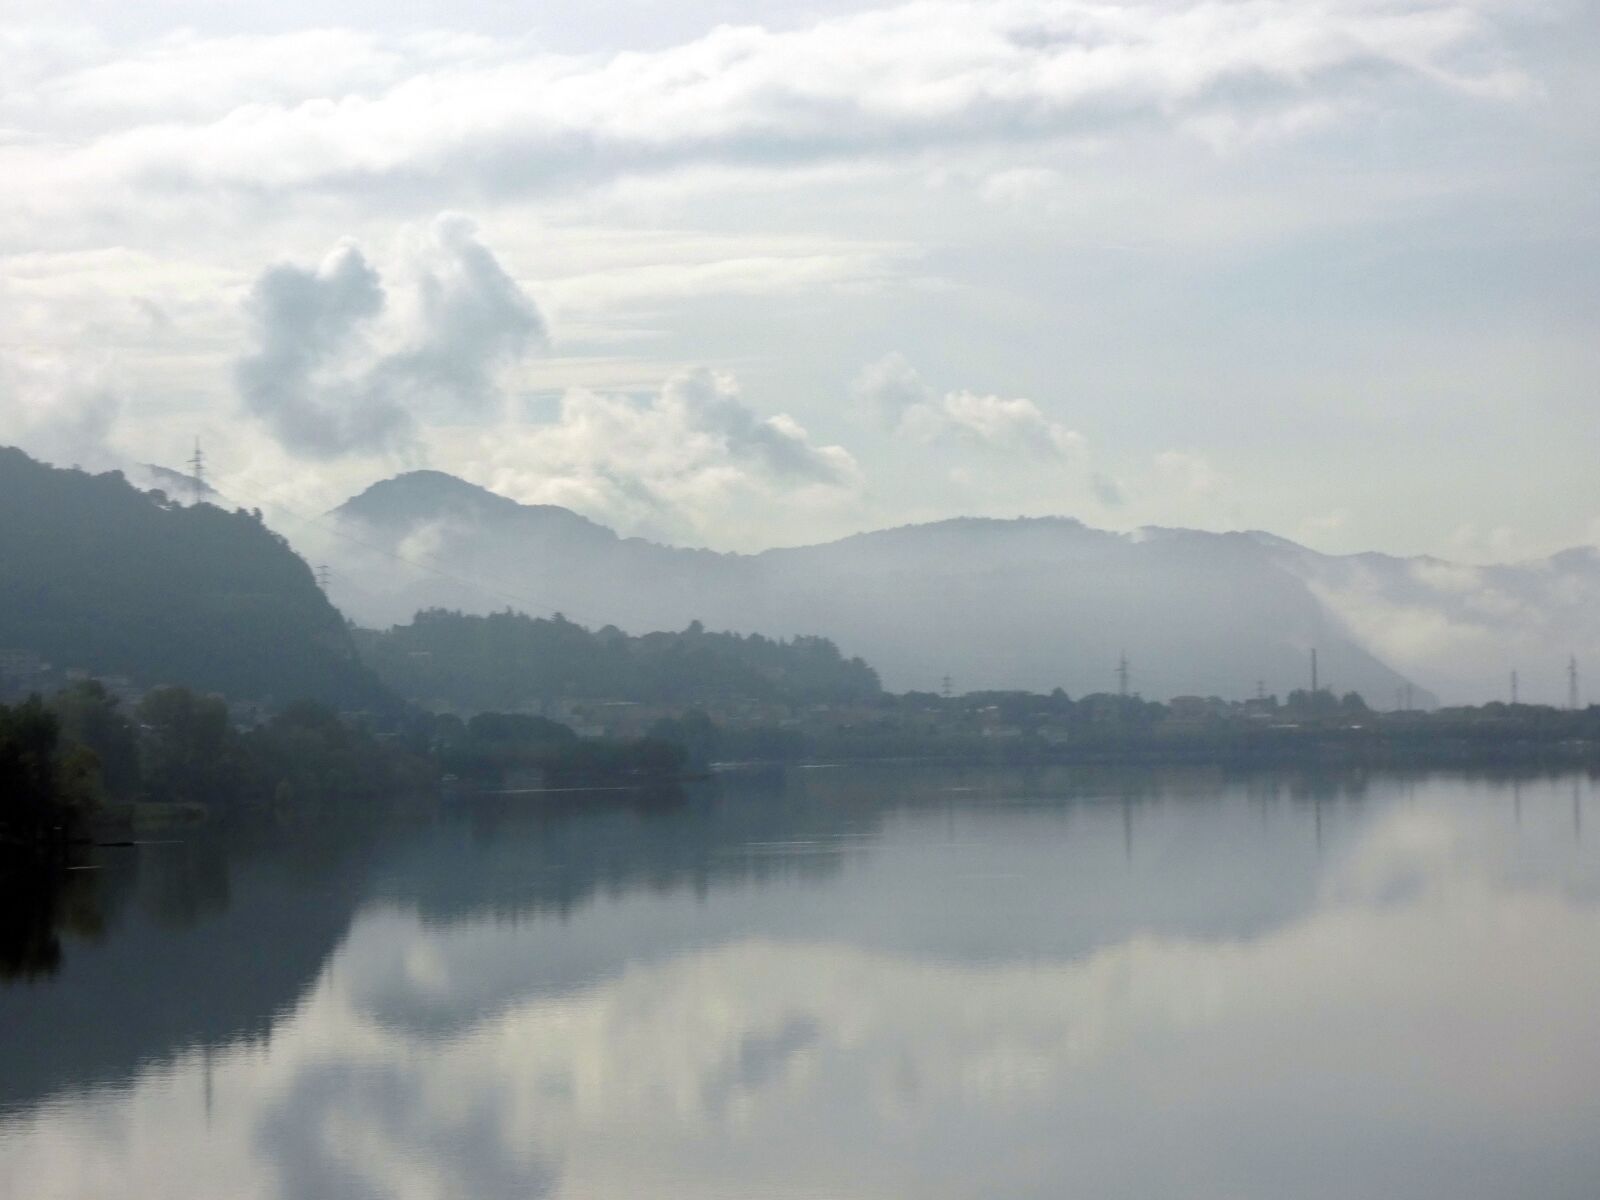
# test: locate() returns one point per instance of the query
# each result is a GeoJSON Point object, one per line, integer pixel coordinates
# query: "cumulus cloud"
{"type": "Point", "coordinates": [670, 463]}
{"type": "Point", "coordinates": [504, 118]}
{"type": "Point", "coordinates": [472, 318]}
{"type": "Point", "coordinates": [320, 384]}
{"type": "Point", "coordinates": [893, 391]}
{"type": "Point", "coordinates": [303, 321]}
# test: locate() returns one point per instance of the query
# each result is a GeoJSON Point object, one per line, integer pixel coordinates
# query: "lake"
{"type": "Point", "coordinates": [835, 982]}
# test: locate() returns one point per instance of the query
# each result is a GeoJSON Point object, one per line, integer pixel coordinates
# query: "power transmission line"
{"type": "Point", "coordinates": [197, 472]}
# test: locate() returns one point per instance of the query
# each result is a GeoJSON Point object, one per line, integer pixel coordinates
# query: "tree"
{"type": "Point", "coordinates": [189, 750]}
{"type": "Point", "coordinates": [91, 717]}
{"type": "Point", "coordinates": [47, 794]}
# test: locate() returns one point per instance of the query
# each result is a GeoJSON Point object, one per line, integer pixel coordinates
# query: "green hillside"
{"type": "Point", "coordinates": [97, 574]}
{"type": "Point", "coordinates": [511, 661]}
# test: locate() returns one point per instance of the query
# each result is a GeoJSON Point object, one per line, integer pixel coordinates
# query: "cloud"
{"type": "Point", "coordinates": [1493, 543]}
{"type": "Point", "coordinates": [1416, 634]}
{"type": "Point", "coordinates": [993, 422]}
{"type": "Point", "coordinates": [670, 463]}
{"type": "Point", "coordinates": [324, 391]}
{"type": "Point", "coordinates": [1022, 187]}
{"type": "Point", "coordinates": [1324, 525]}
{"type": "Point", "coordinates": [1107, 490]}
{"type": "Point", "coordinates": [1413, 984]}
{"type": "Point", "coordinates": [893, 391]}
{"type": "Point", "coordinates": [268, 114]}
{"type": "Point", "coordinates": [59, 412]}
{"type": "Point", "coordinates": [472, 318]}
{"type": "Point", "coordinates": [890, 387]}
{"type": "Point", "coordinates": [304, 320]}
{"type": "Point", "coordinates": [706, 404]}
{"type": "Point", "coordinates": [1192, 473]}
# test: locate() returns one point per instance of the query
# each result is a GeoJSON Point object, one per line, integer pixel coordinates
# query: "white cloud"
{"type": "Point", "coordinates": [269, 114]}
{"type": "Point", "coordinates": [1487, 543]}
{"type": "Point", "coordinates": [1459, 629]}
{"type": "Point", "coordinates": [1411, 637]}
{"type": "Point", "coordinates": [621, 287]}
{"type": "Point", "coordinates": [1447, 577]}
{"type": "Point", "coordinates": [60, 412]}
{"type": "Point", "coordinates": [1024, 187]}
{"type": "Point", "coordinates": [693, 458]}
{"type": "Point", "coordinates": [897, 395]}
{"type": "Point", "coordinates": [1192, 473]}
{"type": "Point", "coordinates": [314, 379]}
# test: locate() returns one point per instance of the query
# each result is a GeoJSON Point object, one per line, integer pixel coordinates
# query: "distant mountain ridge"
{"type": "Point", "coordinates": [1032, 603]}
{"type": "Point", "coordinates": [97, 574]}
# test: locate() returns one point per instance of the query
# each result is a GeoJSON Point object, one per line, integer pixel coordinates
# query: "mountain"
{"type": "Point", "coordinates": [427, 496]}
{"type": "Point", "coordinates": [1033, 603]}
{"type": "Point", "coordinates": [99, 575]}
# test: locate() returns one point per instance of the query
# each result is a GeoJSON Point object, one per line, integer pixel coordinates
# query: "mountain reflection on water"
{"type": "Point", "coordinates": [834, 982]}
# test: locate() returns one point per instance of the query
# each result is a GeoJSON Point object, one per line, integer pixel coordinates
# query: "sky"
{"type": "Point", "coordinates": [765, 274]}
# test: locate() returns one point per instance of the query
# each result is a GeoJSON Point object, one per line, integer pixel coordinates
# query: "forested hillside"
{"type": "Point", "coordinates": [97, 574]}
{"type": "Point", "coordinates": [512, 661]}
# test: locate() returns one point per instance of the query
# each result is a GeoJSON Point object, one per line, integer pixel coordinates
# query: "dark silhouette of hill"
{"type": "Point", "coordinates": [97, 574]}
{"type": "Point", "coordinates": [509, 661]}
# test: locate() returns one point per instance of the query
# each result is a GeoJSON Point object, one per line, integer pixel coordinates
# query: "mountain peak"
{"type": "Point", "coordinates": [421, 490]}
{"type": "Point", "coordinates": [419, 497]}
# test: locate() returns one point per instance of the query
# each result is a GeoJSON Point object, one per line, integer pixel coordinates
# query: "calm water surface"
{"type": "Point", "coordinates": [838, 983]}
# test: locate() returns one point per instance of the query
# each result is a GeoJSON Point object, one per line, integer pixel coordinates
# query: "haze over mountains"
{"type": "Point", "coordinates": [1462, 629]}
{"type": "Point", "coordinates": [1031, 603]}
{"type": "Point", "coordinates": [994, 604]}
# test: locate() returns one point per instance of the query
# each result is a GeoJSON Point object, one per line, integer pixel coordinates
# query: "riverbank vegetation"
{"type": "Point", "coordinates": [1023, 727]}
{"type": "Point", "coordinates": [78, 766]}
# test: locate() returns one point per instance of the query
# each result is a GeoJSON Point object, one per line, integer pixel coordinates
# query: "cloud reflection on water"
{"type": "Point", "coordinates": [1424, 1027]}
